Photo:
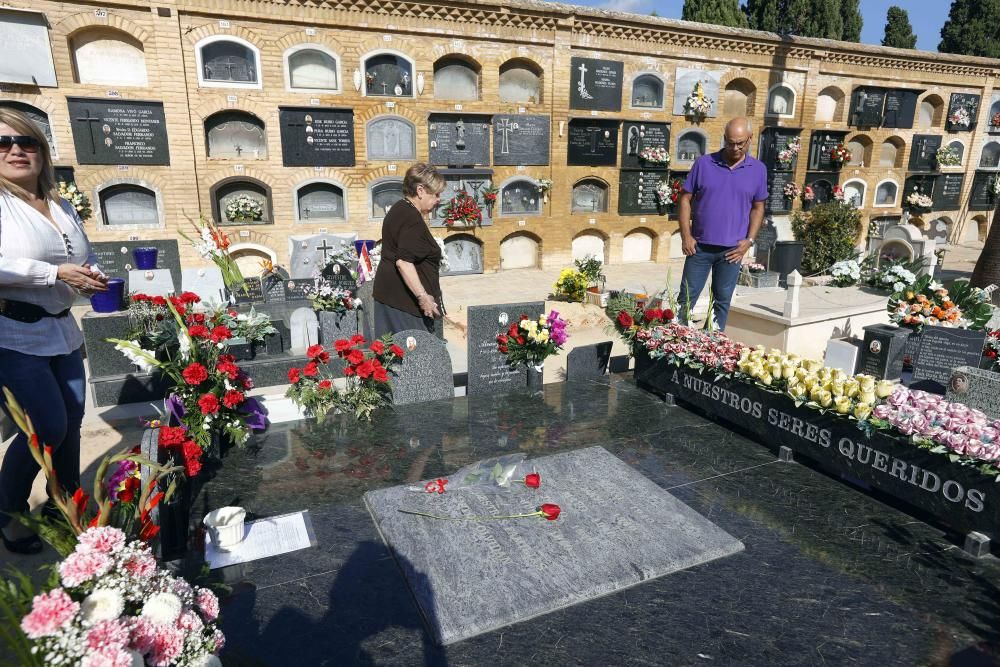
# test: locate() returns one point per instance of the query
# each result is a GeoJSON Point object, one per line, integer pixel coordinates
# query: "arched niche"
{"type": "Point", "coordinates": [520, 82]}
{"type": "Point", "coordinates": [456, 78]}
{"type": "Point", "coordinates": [590, 243]}
{"type": "Point", "coordinates": [781, 101]}
{"type": "Point", "coordinates": [959, 148]}
{"type": "Point", "coordinates": [854, 192]}
{"type": "Point", "coordinates": [320, 201]}
{"type": "Point", "coordinates": [520, 196]}
{"type": "Point", "coordinates": [886, 193]}
{"type": "Point", "coordinates": [520, 250]}
{"type": "Point", "coordinates": [249, 256]}
{"type": "Point", "coordinates": [312, 67]}
{"type": "Point", "coordinates": [383, 195]}
{"type": "Point", "coordinates": [590, 195]}
{"type": "Point", "coordinates": [230, 190]}
{"type": "Point", "coordinates": [36, 115]}
{"type": "Point", "coordinates": [691, 145]}
{"type": "Point", "coordinates": [388, 74]}
{"type": "Point", "coordinates": [464, 253]}
{"type": "Point", "coordinates": [739, 98]}
{"type": "Point", "coordinates": [930, 112]}
{"type": "Point", "coordinates": [639, 245]}
{"type": "Point", "coordinates": [830, 105]}
{"type": "Point", "coordinates": [861, 148]}
{"type": "Point", "coordinates": [390, 138]}
{"type": "Point", "coordinates": [235, 135]}
{"type": "Point", "coordinates": [228, 62]}
{"type": "Point", "coordinates": [647, 91]}
{"type": "Point", "coordinates": [129, 205]}
{"type": "Point", "coordinates": [990, 158]}
{"type": "Point", "coordinates": [891, 152]}
{"type": "Point", "coordinates": [105, 56]}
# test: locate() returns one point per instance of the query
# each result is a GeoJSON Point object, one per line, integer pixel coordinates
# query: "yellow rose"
{"type": "Point", "coordinates": [838, 374]}
{"type": "Point", "coordinates": [866, 397]}
{"type": "Point", "coordinates": [744, 353]}
{"type": "Point", "coordinates": [788, 372]}
{"type": "Point", "coordinates": [801, 373]}
{"type": "Point", "coordinates": [793, 357]}
{"type": "Point", "coordinates": [861, 411]}
{"type": "Point", "coordinates": [810, 381]}
{"type": "Point", "coordinates": [774, 370]}
{"type": "Point", "coordinates": [765, 378]}
{"type": "Point", "coordinates": [884, 387]}
{"type": "Point", "coordinates": [797, 392]}
{"type": "Point", "coordinates": [792, 381]}
{"type": "Point", "coordinates": [774, 352]}
{"type": "Point", "coordinates": [756, 355]}
{"type": "Point", "coordinates": [851, 388]}
{"type": "Point", "coordinates": [842, 405]}
{"type": "Point", "coordinates": [825, 398]}
{"type": "Point", "coordinates": [814, 392]}
{"type": "Point", "coordinates": [827, 385]}
{"type": "Point", "coordinates": [837, 388]}
{"type": "Point", "coordinates": [867, 385]}
{"type": "Point", "coordinates": [812, 365]}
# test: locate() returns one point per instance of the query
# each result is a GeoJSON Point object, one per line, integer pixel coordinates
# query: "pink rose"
{"type": "Point", "coordinates": [49, 612]}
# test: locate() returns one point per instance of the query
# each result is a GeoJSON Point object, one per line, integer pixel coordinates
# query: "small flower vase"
{"type": "Point", "coordinates": [545, 198]}
{"type": "Point", "coordinates": [145, 258]}
{"type": "Point", "coordinates": [110, 301]}
{"type": "Point", "coordinates": [535, 376]}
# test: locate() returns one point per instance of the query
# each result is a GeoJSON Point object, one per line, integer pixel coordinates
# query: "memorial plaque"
{"type": "Point", "coordinates": [982, 198]}
{"type": "Point", "coordinates": [425, 372]}
{"type": "Point", "coordinates": [119, 132]}
{"type": "Point", "coordinates": [941, 350]}
{"type": "Point", "coordinates": [842, 354]}
{"type": "Point", "coordinates": [592, 142]}
{"type": "Point", "coordinates": [595, 84]}
{"type": "Point", "coordinates": [309, 254]}
{"type": "Point", "coordinates": [867, 104]}
{"type": "Point", "coordinates": [900, 108]}
{"type": "Point", "coordinates": [252, 292]}
{"type": "Point", "coordinates": [296, 288]}
{"type": "Point", "coordinates": [304, 327]}
{"type": "Point", "coordinates": [948, 192]}
{"type": "Point", "coordinates": [588, 362]}
{"type": "Point", "coordinates": [488, 369]}
{"type": "Point", "coordinates": [116, 260]}
{"type": "Point", "coordinates": [777, 202]}
{"type": "Point", "coordinates": [316, 137]}
{"type": "Point", "coordinates": [637, 192]}
{"type": "Point", "coordinates": [924, 184]}
{"type": "Point", "coordinates": [820, 145]}
{"type": "Point", "coordinates": [473, 182]}
{"type": "Point", "coordinates": [273, 288]}
{"type": "Point", "coordinates": [617, 529]}
{"type": "Point", "coordinates": [341, 276]}
{"type": "Point", "coordinates": [640, 135]}
{"type": "Point", "coordinates": [822, 185]}
{"type": "Point", "coordinates": [976, 388]}
{"type": "Point", "coordinates": [773, 140]}
{"type": "Point", "coordinates": [764, 243]}
{"type": "Point", "coordinates": [923, 152]}
{"type": "Point", "coordinates": [520, 139]}
{"type": "Point", "coordinates": [882, 351]}
{"type": "Point", "coordinates": [155, 282]}
{"type": "Point", "coordinates": [963, 111]}
{"type": "Point", "coordinates": [686, 81]}
{"type": "Point", "coordinates": [464, 254]}
{"type": "Point", "coordinates": [459, 139]}
{"type": "Point", "coordinates": [206, 282]}
{"type": "Point", "coordinates": [390, 138]}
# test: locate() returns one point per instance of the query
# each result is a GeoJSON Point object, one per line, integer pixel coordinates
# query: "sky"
{"type": "Point", "coordinates": [926, 16]}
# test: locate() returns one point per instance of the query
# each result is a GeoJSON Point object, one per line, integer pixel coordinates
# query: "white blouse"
{"type": "Point", "coordinates": [31, 250]}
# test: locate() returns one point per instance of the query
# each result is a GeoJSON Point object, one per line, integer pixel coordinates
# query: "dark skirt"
{"type": "Point", "coordinates": [389, 320]}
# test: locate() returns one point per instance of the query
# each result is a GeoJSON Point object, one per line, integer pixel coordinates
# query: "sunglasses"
{"type": "Point", "coordinates": [25, 143]}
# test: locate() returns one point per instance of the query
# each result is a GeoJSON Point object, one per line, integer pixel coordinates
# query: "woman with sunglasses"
{"type": "Point", "coordinates": [45, 262]}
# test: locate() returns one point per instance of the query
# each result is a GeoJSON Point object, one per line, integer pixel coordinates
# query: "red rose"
{"type": "Point", "coordinates": [396, 350]}
{"type": "Point", "coordinates": [625, 319]}
{"type": "Point", "coordinates": [512, 331]}
{"type": "Point", "coordinates": [503, 348]}
{"type": "Point", "coordinates": [293, 375]}
{"type": "Point", "coordinates": [310, 370]}
{"type": "Point", "coordinates": [314, 351]}
{"type": "Point", "coordinates": [138, 298]}
{"type": "Point", "coordinates": [380, 375]}
{"type": "Point", "coordinates": [520, 340]}
{"type": "Point", "coordinates": [501, 340]}
{"type": "Point", "coordinates": [325, 384]}
{"type": "Point", "coordinates": [992, 354]}
{"type": "Point", "coordinates": [355, 357]}
{"type": "Point", "coordinates": [550, 511]}
{"type": "Point", "coordinates": [209, 404]}
{"type": "Point", "coordinates": [357, 338]}
{"type": "Point", "coordinates": [533, 480]}
{"type": "Point", "coordinates": [378, 347]}
{"type": "Point", "coordinates": [342, 346]}
{"type": "Point", "coordinates": [195, 374]}
{"type": "Point", "coordinates": [227, 358]}
{"type": "Point", "coordinates": [667, 314]}
{"type": "Point", "coordinates": [221, 333]}
{"type": "Point", "coordinates": [365, 370]}
{"type": "Point", "coordinates": [233, 398]}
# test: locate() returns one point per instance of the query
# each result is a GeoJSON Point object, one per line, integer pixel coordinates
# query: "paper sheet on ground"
{"type": "Point", "coordinates": [265, 537]}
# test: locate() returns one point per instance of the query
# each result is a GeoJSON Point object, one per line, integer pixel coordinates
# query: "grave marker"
{"type": "Point", "coordinates": [640, 135]}
{"type": "Point", "coordinates": [592, 142]}
{"type": "Point", "coordinates": [304, 329]}
{"type": "Point", "coordinates": [116, 260]}
{"type": "Point", "coordinates": [425, 373]}
{"type": "Point", "coordinates": [206, 282]}
{"type": "Point", "coordinates": [308, 254]}
{"type": "Point", "coordinates": [587, 362]}
{"type": "Point", "coordinates": [154, 282]}
{"type": "Point", "coordinates": [488, 369]}
{"type": "Point", "coordinates": [882, 351]}
{"type": "Point", "coordinates": [520, 140]}
{"type": "Point", "coordinates": [842, 354]}
{"type": "Point", "coordinates": [977, 388]}
{"type": "Point", "coordinates": [314, 137]}
{"type": "Point", "coordinates": [595, 84]}
{"type": "Point", "coordinates": [942, 349]}
{"type": "Point", "coordinates": [119, 132]}
{"type": "Point", "coordinates": [923, 152]}
{"type": "Point", "coordinates": [459, 139]}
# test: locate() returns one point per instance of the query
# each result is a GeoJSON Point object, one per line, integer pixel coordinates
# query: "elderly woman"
{"type": "Point", "coordinates": [407, 290]}
{"type": "Point", "coordinates": [45, 261]}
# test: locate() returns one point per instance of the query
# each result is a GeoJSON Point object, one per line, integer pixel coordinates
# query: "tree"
{"type": "Point", "coordinates": [851, 17]}
{"type": "Point", "coordinates": [898, 31]}
{"type": "Point", "coordinates": [972, 29]}
{"type": "Point", "coordinates": [717, 12]}
{"type": "Point", "coordinates": [987, 271]}
{"type": "Point", "coordinates": [764, 14]}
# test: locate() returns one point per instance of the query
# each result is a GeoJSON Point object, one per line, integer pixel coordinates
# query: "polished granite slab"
{"type": "Point", "coordinates": [830, 574]}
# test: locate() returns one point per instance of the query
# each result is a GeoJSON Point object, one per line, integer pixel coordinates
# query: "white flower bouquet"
{"type": "Point", "coordinates": [698, 103]}
{"type": "Point", "coordinates": [918, 200]}
{"type": "Point", "coordinates": [846, 273]}
{"type": "Point", "coordinates": [79, 201]}
{"type": "Point", "coordinates": [244, 208]}
{"type": "Point", "coordinates": [655, 155]}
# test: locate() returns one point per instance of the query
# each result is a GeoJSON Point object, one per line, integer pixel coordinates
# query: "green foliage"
{"type": "Point", "coordinates": [716, 12]}
{"type": "Point", "coordinates": [829, 232]}
{"type": "Point", "coordinates": [764, 14]}
{"type": "Point", "coordinates": [16, 593]}
{"type": "Point", "coordinates": [973, 302]}
{"type": "Point", "coordinates": [572, 285]}
{"type": "Point", "coordinates": [590, 267]}
{"type": "Point", "coordinates": [972, 29]}
{"type": "Point", "coordinates": [829, 19]}
{"type": "Point", "coordinates": [898, 31]}
{"type": "Point", "coordinates": [851, 17]}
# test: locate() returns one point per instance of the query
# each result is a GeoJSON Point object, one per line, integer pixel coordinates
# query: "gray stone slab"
{"type": "Point", "coordinates": [942, 349]}
{"type": "Point", "coordinates": [366, 292]}
{"type": "Point", "coordinates": [588, 361]}
{"type": "Point", "coordinates": [520, 139]}
{"type": "Point", "coordinates": [617, 529]}
{"type": "Point", "coordinates": [425, 373]}
{"type": "Point", "coordinates": [155, 282]}
{"type": "Point", "coordinates": [338, 325]}
{"type": "Point", "coordinates": [206, 282]}
{"type": "Point", "coordinates": [309, 253]}
{"type": "Point", "coordinates": [305, 329]}
{"type": "Point", "coordinates": [116, 259]}
{"type": "Point", "coordinates": [102, 357]}
{"type": "Point", "coordinates": [488, 370]}
{"type": "Point", "coordinates": [976, 388]}
{"type": "Point", "coordinates": [883, 350]}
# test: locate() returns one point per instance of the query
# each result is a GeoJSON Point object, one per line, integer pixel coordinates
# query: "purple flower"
{"type": "Point", "coordinates": [256, 415]}
{"type": "Point", "coordinates": [175, 409]}
{"type": "Point", "coordinates": [124, 470]}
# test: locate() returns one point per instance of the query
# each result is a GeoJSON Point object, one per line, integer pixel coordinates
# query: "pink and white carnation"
{"type": "Point", "coordinates": [82, 566]}
{"type": "Point", "coordinates": [208, 603]}
{"type": "Point", "coordinates": [49, 613]}
{"type": "Point", "coordinates": [105, 540]}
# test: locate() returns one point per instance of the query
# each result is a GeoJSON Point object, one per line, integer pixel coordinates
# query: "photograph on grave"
{"type": "Point", "coordinates": [941, 350]}
{"type": "Point", "coordinates": [882, 351]}
{"type": "Point", "coordinates": [390, 138]}
{"type": "Point", "coordinates": [425, 372]}
{"type": "Point", "coordinates": [595, 84]}
{"type": "Point", "coordinates": [592, 142]}
{"type": "Point", "coordinates": [316, 137]}
{"type": "Point", "coordinates": [867, 106]}
{"type": "Point", "coordinates": [976, 388]}
{"type": "Point", "coordinates": [643, 192]}
{"type": "Point", "coordinates": [119, 131]}
{"type": "Point", "coordinates": [821, 143]}
{"type": "Point", "coordinates": [645, 145]}
{"type": "Point", "coordinates": [521, 139]}
{"type": "Point", "coordinates": [687, 80]}
{"type": "Point", "coordinates": [458, 140]}
{"type": "Point", "coordinates": [963, 110]}
{"type": "Point", "coordinates": [923, 153]}
{"type": "Point", "coordinates": [477, 184]}
{"type": "Point", "coordinates": [488, 369]}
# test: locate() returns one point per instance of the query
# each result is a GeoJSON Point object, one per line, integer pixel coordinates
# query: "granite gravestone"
{"type": "Point", "coordinates": [764, 243]}
{"type": "Point", "coordinates": [617, 529]}
{"type": "Point", "coordinates": [390, 138]}
{"type": "Point", "coordinates": [206, 282]}
{"type": "Point", "coordinates": [340, 276]}
{"type": "Point", "coordinates": [592, 142]}
{"type": "Point", "coordinates": [425, 371]}
{"type": "Point", "coordinates": [976, 388]}
{"type": "Point", "coordinates": [458, 139]}
{"type": "Point", "coordinates": [118, 131]}
{"type": "Point", "coordinates": [309, 254]}
{"type": "Point", "coordinates": [251, 293]}
{"type": "Point", "coordinates": [982, 198]}
{"type": "Point", "coordinates": [116, 260]}
{"type": "Point", "coordinates": [948, 192]}
{"type": "Point", "coordinates": [820, 145]}
{"type": "Point", "coordinates": [777, 202]}
{"type": "Point", "coordinates": [587, 362]}
{"type": "Point", "coordinates": [279, 290]}
{"type": "Point", "coordinates": [942, 349]}
{"type": "Point", "coordinates": [882, 351]}
{"type": "Point", "coordinates": [474, 183]}
{"type": "Point", "coordinates": [334, 326]}
{"type": "Point", "coordinates": [488, 369]}
{"type": "Point", "coordinates": [520, 139]}
{"type": "Point", "coordinates": [900, 108]}
{"type": "Point", "coordinates": [773, 140]}
{"type": "Point", "coordinates": [464, 254]}
{"type": "Point", "coordinates": [842, 354]}
{"type": "Point", "coordinates": [304, 327]}
{"type": "Point", "coordinates": [960, 105]}
{"type": "Point", "coordinates": [638, 136]}
{"type": "Point", "coordinates": [366, 293]}
{"type": "Point", "coordinates": [316, 137]}
{"type": "Point", "coordinates": [102, 357]}
{"type": "Point", "coordinates": [154, 282]}
{"type": "Point", "coordinates": [923, 152]}
{"type": "Point", "coordinates": [637, 192]}
{"type": "Point", "coordinates": [867, 104]}
{"type": "Point", "coordinates": [595, 84]}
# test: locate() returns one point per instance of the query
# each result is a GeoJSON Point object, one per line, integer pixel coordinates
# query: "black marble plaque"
{"type": "Point", "coordinates": [923, 152]}
{"type": "Point", "coordinates": [925, 183]}
{"type": "Point", "coordinates": [639, 135]}
{"type": "Point", "coordinates": [118, 132]}
{"type": "Point", "coordinates": [116, 259]}
{"type": "Point", "coordinates": [777, 202]}
{"type": "Point", "coordinates": [637, 192]}
{"type": "Point", "coordinates": [900, 108]}
{"type": "Point", "coordinates": [773, 140]}
{"type": "Point", "coordinates": [764, 243]}
{"type": "Point", "coordinates": [316, 137]}
{"type": "Point", "coordinates": [948, 192]}
{"type": "Point", "coordinates": [882, 351]}
{"type": "Point", "coordinates": [473, 182]}
{"type": "Point", "coordinates": [959, 101]}
{"type": "Point", "coordinates": [295, 288]}
{"type": "Point", "coordinates": [252, 293]}
{"type": "Point", "coordinates": [340, 276]}
{"type": "Point", "coordinates": [982, 197]}
{"type": "Point", "coordinates": [820, 145]}
{"type": "Point", "coordinates": [521, 139]}
{"type": "Point", "coordinates": [592, 142]}
{"type": "Point", "coordinates": [941, 350]}
{"type": "Point", "coordinates": [867, 104]}
{"type": "Point", "coordinates": [459, 140]}
{"type": "Point", "coordinates": [488, 369]}
{"type": "Point", "coordinates": [595, 84]}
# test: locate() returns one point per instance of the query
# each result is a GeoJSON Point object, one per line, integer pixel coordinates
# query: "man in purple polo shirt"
{"type": "Point", "coordinates": [720, 211]}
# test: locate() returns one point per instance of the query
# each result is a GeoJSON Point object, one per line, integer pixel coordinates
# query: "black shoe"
{"type": "Point", "coordinates": [32, 544]}
{"type": "Point", "coordinates": [51, 512]}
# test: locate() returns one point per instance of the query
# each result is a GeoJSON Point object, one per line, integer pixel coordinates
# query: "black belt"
{"type": "Point", "coordinates": [29, 313]}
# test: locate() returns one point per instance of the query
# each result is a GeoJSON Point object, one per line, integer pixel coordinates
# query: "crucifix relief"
{"type": "Point", "coordinates": [460, 132]}
{"type": "Point", "coordinates": [325, 248]}
{"type": "Point", "coordinates": [581, 86]}
{"type": "Point", "coordinates": [90, 120]}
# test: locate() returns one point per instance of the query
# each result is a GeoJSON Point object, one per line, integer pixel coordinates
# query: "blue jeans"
{"type": "Point", "coordinates": [51, 391]}
{"type": "Point", "coordinates": [724, 275]}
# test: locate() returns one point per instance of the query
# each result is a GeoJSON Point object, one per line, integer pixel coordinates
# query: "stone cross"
{"type": "Point", "coordinates": [325, 247]}
{"type": "Point", "coordinates": [90, 120]}
{"type": "Point", "coordinates": [794, 282]}
{"type": "Point", "coordinates": [505, 127]}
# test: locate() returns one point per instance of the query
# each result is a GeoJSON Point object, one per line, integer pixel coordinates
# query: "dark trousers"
{"type": "Point", "coordinates": [389, 320]}
{"type": "Point", "coordinates": [51, 392]}
{"type": "Point", "coordinates": [708, 258]}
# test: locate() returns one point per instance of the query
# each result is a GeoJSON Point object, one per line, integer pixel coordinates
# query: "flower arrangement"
{"type": "Point", "coordinates": [529, 342]}
{"type": "Point", "coordinates": [367, 369]}
{"type": "Point", "coordinates": [698, 103]}
{"type": "Point", "coordinates": [960, 117]}
{"type": "Point", "coordinates": [992, 348]}
{"type": "Point", "coordinates": [925, 302]}
{"type": "Point", "coordinates": [892, 274]}
{"type": "Point", "coordinates": [996, 185]}
{"type": "Point", "coordinates": [490, 194]}
{"type": "Point", "coordinates": [684, 346]}
{"type": "Point", "coordinates": [669, 192]}
{"type": "Point", "coordinates": [846, 273]}
{"type": "Point", "coordinates": [629, 322]}
{"type": "Point", "coordinates": [995, 120]}
{"type": "Point", "coordinates": [543, 186]}
{"type": "Point", "coordinates": [655, 155]}
{"type": "Point", "coordinates": [840, 154]}
{"type": "Point", "coordinates": [792, 191]}
{"type": "Point", "coordinates": [947, 156]}
{"type": "Point", "coordinates": [213, 245]}
{"type": "Point", "coordinates": [369, 79]}
{"type": "Point", "coordinates": [571, 285]}
{"type": "Point", "coordinates": [756, 268]}
{"type": "Point", "coordinates": [787, 154]}
{"type": "Point", "coordinates": [244, 208]}
{"type": "Point", "coordinates": [462, 210]}
{"type": "Point", "coordinates": [327, 298]}
{"type": "Point", "coordinates": [838, 193]}
{"type": "Point", "coordinates": [79, 201]}
{"type": "Point", "coordinates": [590, 267]}
{"type": "Point", "coordinates": [919, 201]}
{"type": "Point", "coordinates": [808, 194]}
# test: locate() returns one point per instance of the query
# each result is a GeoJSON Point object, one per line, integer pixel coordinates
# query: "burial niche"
{"type": "Point", "coordinates": [321, 202]}
{"type": "Point", "coordinates": [520, 197]}
{"type": "Point", "coordinates": [312, 69]}
{"type": "Point", "coordinates": [456, 79]}
{"type": "Point", "coordinates": [691, 145]}
{"type": "Point", "coordinates": [388, 75]}
{"type": "Point", "coordinates": [781, 101]}
{"type": "Point", "coordinates": [238, 191]}
{"type": "Point", "coordinates": [990, 158]}
{"type": "Point", "coordinates": [228, 61]}
{"type": "Point", "coordinates": [105, 56]}
{"type": "Point", "coordinates": [590, 196]}
{"type": "Point", "coordinates": [464, 253]}
{"type": "Point", "coordinates": [128, 205]}
{"type": "Point", "coordinates": [889, 153]}
{"type": "Point", "coordinates": [589, 243]}
{"type": "Point", "coordinates": [384, 196]}
{"type": "Point", "coordinates": [37, 116]}
{"type": "Point", "coordinates": [637, 246]}
{"type": "Point", "coordinates": [739, 100]}
{"type": "Point", "coordinates": [854, 193]}
{"type": "Point", "coordinates": [520, 82]}
{"type": "Point", "coordinates": [647, 92]}
{"type": "Point", "coordinates": [885, 193]}
{"type": "Point", "coordinates": [390, 138]}
{"type": "Point", "coordinates": [236, 135]}
{"type": "Point", "coordinates": [829, 104]}
{"type": "Point", "coordinates": [930, 112]}
{"type": "Point", "coordinates": [859, 150]}
{"type": "Point", "coordinates": [959, 149]}
{"type": "Point", "coordinates": [519, 251]}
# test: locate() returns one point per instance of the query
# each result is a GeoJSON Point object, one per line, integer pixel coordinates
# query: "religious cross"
{"type": "Point", "coordinates": [238, 149]}
{"type": "Point", "coordinates": [325, 248]}
{"type": "Point", "coordinates": [581, 86]}
{"type": "Point", "coordinates": [460, 130]}
{"type": "Point", "coordinates": [385, 88]}
{"type": "Point", "coordinates": [505, 127]}
{"type": "Point", "coordinates": [90, 120]}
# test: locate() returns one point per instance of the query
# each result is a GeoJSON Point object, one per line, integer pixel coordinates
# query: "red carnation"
{"type": "Point", "coordinates": [378, 347]}
{"type": "Point", "coordinates": [293, 375]}
{"type": "Point", "coordinates": [314, 351]}
{"type": "Point", "coordinates": [171, 436]}
{"type": "Point", "coordinates": [357, 338]}
{"type": "Point", "coordinates": [221, 333]}
{"type": "Point", "coordinates": [310, 370]}
{"type": "Point", "coordinates": [348, 372]}
{"type": "Point", "coordinates": [365, 370]}
{"type": "Point", "coordinates": [198, 331]}
{"type": "Point", "coordinates": [198, 318]}
{"type": "Point", "coordinates": [325, 384]}
{"type": "Point", "coordinates": [342, 346]}
{"type": "Point", "coordinates": [625, 319]}
{"type": "Point", "coordinates": [233, 398]}
{"type": "Point", "coordinates": [158, 301]}
{"type": "Point", "coordinates": [380, 375]}
{"type": "Point", "coordinates": [191, 453]}
{"type": "Point", "coordinates": [228, 368]}
{"type": "Point", "coordinates": [209, 404]}
{"type": "Point", "coordinates": [355, 357]}
{"type": "Point", "coordinates": [189, 297]}
{"type": "Point", "coordinates": [396, 350]}
{"type": "Point", "coordinates": [195, 374]}
{"type": "Point", "coordinates": [667, 314]}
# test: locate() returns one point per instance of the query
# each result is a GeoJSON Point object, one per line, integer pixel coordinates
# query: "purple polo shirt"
{"type": "Point", "coordinates": [720, 208]}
